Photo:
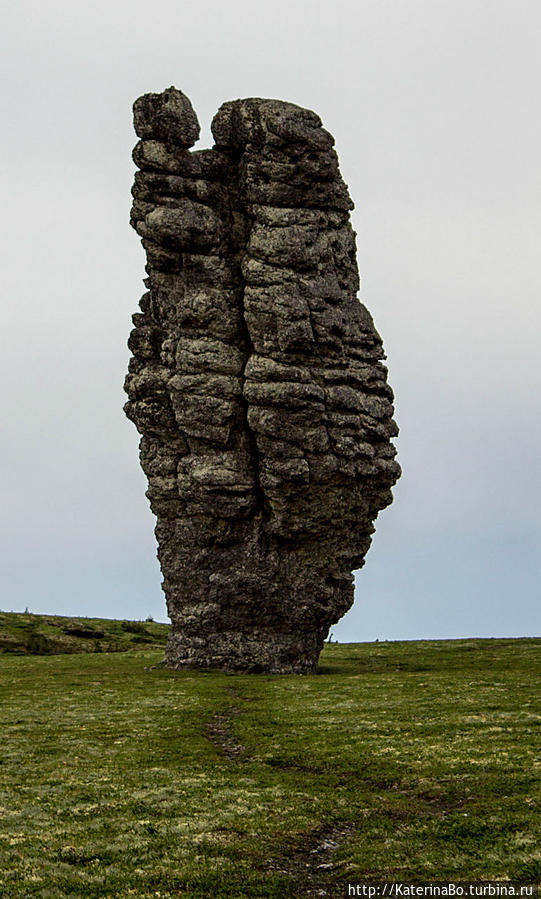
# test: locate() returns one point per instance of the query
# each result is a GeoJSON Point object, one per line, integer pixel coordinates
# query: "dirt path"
{"type": "Point", "coordinates": [309, 860]}
{"type": "Point", "coordinates": [310, 864]}
{"type": "Point", "coordinates": [220, 734]}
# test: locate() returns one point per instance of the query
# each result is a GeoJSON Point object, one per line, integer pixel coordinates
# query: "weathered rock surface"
{"type": "Point", "coordinates": [256, 382]}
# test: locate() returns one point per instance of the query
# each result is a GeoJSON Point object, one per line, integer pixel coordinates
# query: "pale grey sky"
{"type": "Point", "coordinates": [434, 107]}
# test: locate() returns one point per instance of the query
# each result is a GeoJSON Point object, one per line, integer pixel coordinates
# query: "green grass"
{"type": "Point", "coordinates": [417, 761]}
{"type": "Point", "coordinates": [28, 634]}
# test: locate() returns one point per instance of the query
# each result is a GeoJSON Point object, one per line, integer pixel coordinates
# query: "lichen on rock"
{"type": "Point", "coordinates": [256, 382]}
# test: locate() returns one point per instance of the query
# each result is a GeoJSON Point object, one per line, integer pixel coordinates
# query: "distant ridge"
{"type": "Point", "coordinates": [24, 633]}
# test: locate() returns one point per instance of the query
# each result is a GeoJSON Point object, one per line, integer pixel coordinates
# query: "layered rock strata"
{"type": "Point", "coordinates": [256, 382]}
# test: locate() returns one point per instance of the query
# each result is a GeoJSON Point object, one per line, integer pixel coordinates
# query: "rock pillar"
{"type": "Point", "coordinates": [256, 382]}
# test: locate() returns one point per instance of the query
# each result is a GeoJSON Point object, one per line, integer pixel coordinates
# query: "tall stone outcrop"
{"type": "Point", "coordinates": [256, 382]}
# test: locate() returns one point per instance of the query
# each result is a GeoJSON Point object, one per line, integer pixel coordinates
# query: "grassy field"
{"type": "Point", "coordinates": [398, 761]}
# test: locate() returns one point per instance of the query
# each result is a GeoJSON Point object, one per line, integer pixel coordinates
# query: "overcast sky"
{"type": "Point", "coordinates": [434, 105]}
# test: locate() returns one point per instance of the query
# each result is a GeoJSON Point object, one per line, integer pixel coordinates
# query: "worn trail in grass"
{"type": "Point", "coordinates": [398, 761]}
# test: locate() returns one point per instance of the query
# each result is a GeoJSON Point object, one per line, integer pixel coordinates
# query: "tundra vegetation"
{"type": "Point", "coordinates": [406, 761]}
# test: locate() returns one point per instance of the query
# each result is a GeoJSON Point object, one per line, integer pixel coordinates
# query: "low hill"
{"type": "Point", "coordinates": [27, 634]}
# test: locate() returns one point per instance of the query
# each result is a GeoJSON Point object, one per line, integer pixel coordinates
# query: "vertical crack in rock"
{"type": "Point", "coordinates": [234, 205]}
{"type": "Point", "coordinates": [255, 381]}
{"type": "Point", "coordinates": [260, 505]}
